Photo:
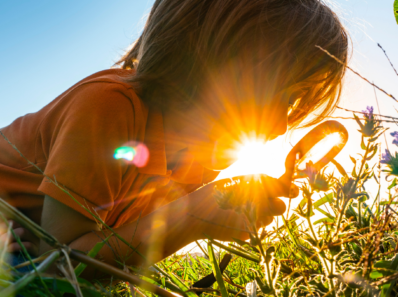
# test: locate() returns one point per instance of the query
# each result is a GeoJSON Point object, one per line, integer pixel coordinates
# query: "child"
{"type": "Point", "coordinates": [203, 74]}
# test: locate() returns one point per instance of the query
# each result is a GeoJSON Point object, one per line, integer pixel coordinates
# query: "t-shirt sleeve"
{"type": "Point", "coordinates": [96, 119]}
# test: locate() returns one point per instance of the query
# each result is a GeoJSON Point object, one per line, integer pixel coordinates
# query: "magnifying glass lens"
{"type": "Point", "coordinates": [321, 149]}
{"type": "Point", "coordinates": [320, 145]}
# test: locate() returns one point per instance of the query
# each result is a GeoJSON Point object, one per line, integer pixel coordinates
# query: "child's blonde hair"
{"type": "Point", "coordinates": [184, 40]}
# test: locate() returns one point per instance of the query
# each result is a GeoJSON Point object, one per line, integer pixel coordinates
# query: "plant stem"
{"type": "Point", "coordinates": [356, 183]}
{"type": "Point", "coordinates": [309, 210]}
{"type": "Point", "coordinates": [340, 218]}
{"type": "Point", "coordinates": [354, 186]}
{"type": "Point", "coordinates": [264, 256]}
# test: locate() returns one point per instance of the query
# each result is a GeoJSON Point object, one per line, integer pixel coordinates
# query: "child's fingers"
{"type": "Point", "coordinates": [30, 242]}
{"type": "Point", "coordinates": [264, 221]}
{"type": "Point", "coordinates": [29, 246]}
{"type": "Point", "coordinates": [294, 191]}
{"type": "Point", "coordinates": [24, 234]}
{"type": "Point", "coordinates": [274, 187]}
{"type": "Point", "coordinates": [272, 207]}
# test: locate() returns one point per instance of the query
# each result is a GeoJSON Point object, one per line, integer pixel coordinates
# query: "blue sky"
{"type": "Point", "coordinates": [47, 46]}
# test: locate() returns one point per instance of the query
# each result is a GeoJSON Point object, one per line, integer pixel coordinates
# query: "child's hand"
{"type": "Point", "coordinates": [261, 189]}
{"type": "Point", "coordinates": [30, 241]}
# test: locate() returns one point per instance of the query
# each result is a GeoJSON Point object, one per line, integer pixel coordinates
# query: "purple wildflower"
{"type": "Point", "coordinates": [311, 171]}
{"type": "Point", "coordinates": [395, 135]}
{"type": "Point", "coordinates": [386, 157]}
{"type": "Point", "coordinates": [368, 113]}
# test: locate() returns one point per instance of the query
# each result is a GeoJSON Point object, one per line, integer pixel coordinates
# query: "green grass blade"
{"type": "Point", "coordinates": [325, 213]}
{"type": "Point", "coordinates": [236, 252]}
{"type": "Point", "coordinates": [216, 270]}
{"type": "Point", "coordinates": [292, 237]}
{"type": "Point", "coordinates": [92, 253]}
{"type": "Point", "coordinates": [325, 199]}
{"type": "Point", "coordinates": [180, 284]}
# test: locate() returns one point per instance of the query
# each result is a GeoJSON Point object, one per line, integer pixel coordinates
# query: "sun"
{"type": "Point", "coordinates": [257, 156]}
{"type": "Point", "coordinates": [252, 151]}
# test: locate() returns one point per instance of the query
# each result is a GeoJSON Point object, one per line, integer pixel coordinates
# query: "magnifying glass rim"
{"type": "Point", "coordinates": [310, 140]}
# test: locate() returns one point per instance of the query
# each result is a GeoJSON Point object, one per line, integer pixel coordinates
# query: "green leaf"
{"type": "Point", "coordinates": [289, 231]}
{"type": "Point", "coordinates": [383, 264]}
{"type": "Point", "coordinates": [325, 213]}
{"type": "Point", "coordinates": [180, 284]}
{"type": "Point", "coordinates": [216, 271]}
{"type": "Point", "coordinates": [373, 154]}
{"type": "Point", "coordinates": [303, 202]}
{"type": "Point", "coordinates": [375, 274]}
{"type": "Point", "coordinates": [358, 121]}
{"type": "Point", "coordinates": [353, 160]}
{"type": "Point", "coordinates": [242, 254]}
{"type": "Point", "coordinates": [388, 202]}
{"type": "Point", "coordinates": [354, 173]}
{"type": "Point", "coordinates": [393, 184]}
{"type": "Point", "coordinates": [339, 167]}
{"type": "Point", "coordinates": [373, 139]}
{"type": "Point", "coordinates": [357, 249]}
{"type": "Point", "coordinates": [396, 10]}
{"type": "Point", "coordinates": [363, 146]}
{"type": "Point", "coordinates": [326, 220]}
{"type": "Point", "coordinates": [327, 198]}
{"type": "Point", "coordinates": [293, 218]}
{"type": "Point", "coordinates": [94, 251]}
{"type": "Point", "coordinates": [241, 242]}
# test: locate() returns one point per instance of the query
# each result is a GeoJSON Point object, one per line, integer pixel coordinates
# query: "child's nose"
{"type": "Point", "coordinates": [278, 130]}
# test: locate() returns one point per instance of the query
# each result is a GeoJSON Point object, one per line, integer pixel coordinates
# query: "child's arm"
{"type": "Point", "coordinates": [160, 233]}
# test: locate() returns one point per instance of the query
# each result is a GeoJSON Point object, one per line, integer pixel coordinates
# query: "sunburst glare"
{"type": "Point", "coordinates": [257, 156]}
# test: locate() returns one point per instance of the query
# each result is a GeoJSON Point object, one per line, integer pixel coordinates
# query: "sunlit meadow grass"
{"type": "Point", "coordinates": [349, 249]}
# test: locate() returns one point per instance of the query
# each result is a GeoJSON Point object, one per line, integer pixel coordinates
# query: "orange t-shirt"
{"type": "Point", "coordinates": [73, 140]}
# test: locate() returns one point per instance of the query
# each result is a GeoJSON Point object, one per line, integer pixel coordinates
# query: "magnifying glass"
{"type": "Point", "coordinates": [320, 145]}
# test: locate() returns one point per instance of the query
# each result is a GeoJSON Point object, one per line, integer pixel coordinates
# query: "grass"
{"type": "Point", "coordinates": [336, 242]}
{"type": "Point", "coordinates": [351, 250]}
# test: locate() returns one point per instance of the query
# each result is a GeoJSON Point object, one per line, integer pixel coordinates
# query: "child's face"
{"type": "Point", "coordinates": [233, 106]}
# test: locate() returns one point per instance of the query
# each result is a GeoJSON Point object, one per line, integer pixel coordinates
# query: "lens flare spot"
{"type": "Point", "coordinates": [133, 153]}
{"type": "Point", "coordinates": [158, 223]}
{"type": "Point", "coordinates": [125, 152]}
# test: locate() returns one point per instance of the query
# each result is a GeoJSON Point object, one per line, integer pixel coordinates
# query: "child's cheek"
{"type": "Point", "coordinates": [217, 155]}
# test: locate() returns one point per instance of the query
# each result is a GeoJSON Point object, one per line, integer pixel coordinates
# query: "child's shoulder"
{"type": "Point", "coordinates": [112, 79]}
{"type": "Point", "coordinates": [106, 89]}
{"type": "Point", "coordinates": [113, 75]}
